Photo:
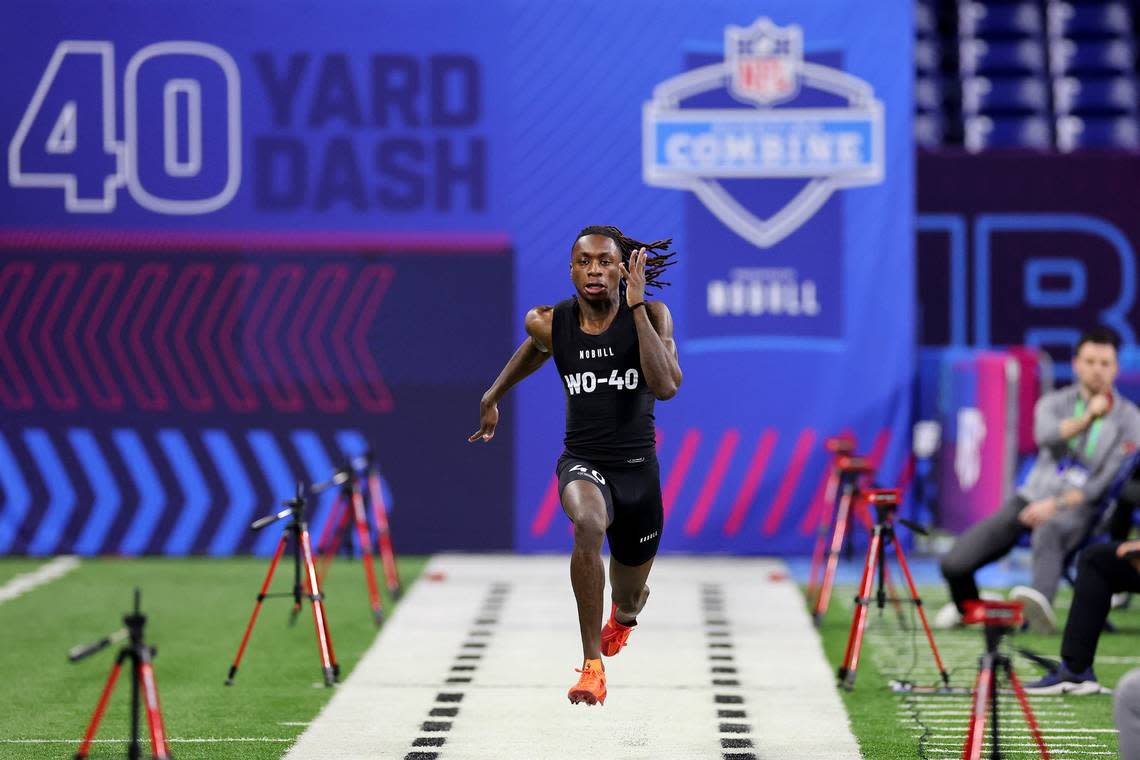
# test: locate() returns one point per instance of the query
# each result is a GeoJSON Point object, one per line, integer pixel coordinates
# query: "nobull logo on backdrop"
{"type": "Point", "coordinates": [832, 140]}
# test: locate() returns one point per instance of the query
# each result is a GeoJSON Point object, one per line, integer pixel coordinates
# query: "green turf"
{"type": "Point", "coordinates": [197, 609]}
{"type": "Point", "coordinates": [873, 708]}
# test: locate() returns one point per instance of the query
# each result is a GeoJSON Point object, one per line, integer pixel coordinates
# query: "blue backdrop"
{"type": "Point", "coordinates": [400, 182]}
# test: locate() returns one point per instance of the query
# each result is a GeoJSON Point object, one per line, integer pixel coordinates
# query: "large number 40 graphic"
{"type": "Point", "coordinates": [178, 97]}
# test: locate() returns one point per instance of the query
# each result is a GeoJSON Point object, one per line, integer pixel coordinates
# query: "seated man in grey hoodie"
{"type": "Point", "coordinates": [1081, 431]}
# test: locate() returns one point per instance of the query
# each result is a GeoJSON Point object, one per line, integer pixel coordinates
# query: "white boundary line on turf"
{"type": "Point", "coordinates": [22, 584]}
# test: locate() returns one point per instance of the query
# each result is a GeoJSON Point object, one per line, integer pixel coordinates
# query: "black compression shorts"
{"type": "Point", "coordinates": [633, 503]}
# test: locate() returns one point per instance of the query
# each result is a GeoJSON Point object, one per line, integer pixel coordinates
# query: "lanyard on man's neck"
{"type": "Point", "coordinates": [1091, 434]}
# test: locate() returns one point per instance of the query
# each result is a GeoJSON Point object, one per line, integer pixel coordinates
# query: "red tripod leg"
{"type": "Point", "coordinates": [324, 644]}
{"type": "Point", "coordinates": [1030, 718]}
{"type": "Point", "coordinates": [863, 512]}
{"type": "Point", "coordinates": [384, 536]}
{"type": "Point", "coordinates": [976, 732]}
{"type": "Point", "coordinates": [335, 528]}
{"type": "Point", "coordinates": [837, 537]}
{"type": "Point", "coordinates": [921, 611]}
{"type": "Point", "coordinates": [100, 708]}
{"type": "Point", "coordinates": [327, 531]}
{"type": "Point", "coordinates": [859, 619]}
{"type": "Point", "coordinates": [366, 554]}
{"type": "Point", "coordinates": [158, 746]}
{"type": "Point", "coordinates": [257, 607]}
{"type": "Point", "coordinates": [821, 533]}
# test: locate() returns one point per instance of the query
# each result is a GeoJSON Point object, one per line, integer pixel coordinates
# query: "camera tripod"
{"type": "Point", "coordinates": [349, 507]}
{"type": "Point", "coordinates": [886, 503]}
{"type": "Point", "coordinates": [298, 530]}
{"type": "Point", "coordinates": [999, 618]}
{"type": "Point", "coordinates": [141, 657]}
{"type": "Point", "coordinates": [843, 502]}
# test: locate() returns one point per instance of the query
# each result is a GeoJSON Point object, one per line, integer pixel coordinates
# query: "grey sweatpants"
{"type": "Point", "coordinates": [993, 537]}
{"type": "Point", "coordinates": [1127, 714]}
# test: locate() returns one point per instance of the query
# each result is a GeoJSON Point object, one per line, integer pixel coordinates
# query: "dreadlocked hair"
{"type": "Point", "coordinates": [656, 261]}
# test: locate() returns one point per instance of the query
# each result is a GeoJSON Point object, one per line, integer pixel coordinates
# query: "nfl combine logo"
{"type": "Point", "coordinates": [765, 61]}
{"type": "Point", "coordinates": [828, 148]}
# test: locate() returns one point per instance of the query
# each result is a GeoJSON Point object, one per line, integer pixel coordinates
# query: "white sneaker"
{"type": "Point", "coordinates": [1037, 609]}
{"type": "Point", "coordinates": [947, 617]}
{"type": "Point", "coordinates": [1121, 600]}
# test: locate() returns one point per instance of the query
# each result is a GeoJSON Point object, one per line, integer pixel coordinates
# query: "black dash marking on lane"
{"type": "Point", "coordinates": [735, 743]}
{"type": "Point", "coordinates": [720, 638]}
{"type": "Point", "coordinates": [487, 616]}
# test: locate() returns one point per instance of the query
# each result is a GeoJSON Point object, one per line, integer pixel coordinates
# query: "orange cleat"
{"type": "Point", "coordinates": [614, 634]}
{"type": "Point", "coordinates": [591, 686]}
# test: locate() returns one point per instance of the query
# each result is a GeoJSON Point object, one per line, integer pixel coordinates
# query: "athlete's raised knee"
{"type": "Point", "coordinates": [589, 529]}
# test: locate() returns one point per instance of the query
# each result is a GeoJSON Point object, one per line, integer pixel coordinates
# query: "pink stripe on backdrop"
{"type": "Point", "coordinates": [907, 475]}
{"type": "Point", "coordinates": [879, 449]}
{"type": "Point", "coordinates": [237, 241]}
{"type": "Point", "coordinates": [546, 509]}
{"type": "Point", "coordinates": [681, 464]}
{"type": "Point", "coordinates": [756, 468]}
{"type": "Point", "coordinates": [791, 479]}
{"type": "Point", "coordinates": [713, 480]}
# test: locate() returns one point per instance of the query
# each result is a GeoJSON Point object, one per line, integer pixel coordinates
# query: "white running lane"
{"type": "Point", "coordinates": [46, 573]}
{"type": "Point", "coordinates": [476, 664]}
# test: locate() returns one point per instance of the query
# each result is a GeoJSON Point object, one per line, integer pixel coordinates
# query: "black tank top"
{"type": "Point", "coordinates": [609, 407]}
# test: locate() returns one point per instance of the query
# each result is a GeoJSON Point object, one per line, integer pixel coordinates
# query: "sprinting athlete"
{"type": "Point", "coordinates": [616, 357]}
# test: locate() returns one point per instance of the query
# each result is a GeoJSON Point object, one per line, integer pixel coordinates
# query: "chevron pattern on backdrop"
{"type": "Point", "coordinates": [130, 491]}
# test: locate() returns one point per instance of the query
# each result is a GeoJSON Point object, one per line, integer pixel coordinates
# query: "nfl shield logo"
{"type": "Point", "coordinates": [765, 61]}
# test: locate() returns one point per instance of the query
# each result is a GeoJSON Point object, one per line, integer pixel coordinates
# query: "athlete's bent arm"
{"type": "Point", "coordinates": [528, 357]}
{"type": "Point", "coordinates": [654, 332]}
{"type": "Point", "coordinates": [658, 350]}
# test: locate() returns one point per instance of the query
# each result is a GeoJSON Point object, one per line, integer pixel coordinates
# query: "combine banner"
{"type": "Point", "coordinates": [781, 148]}
{"type": "Point", "coordinates": [239, 245]}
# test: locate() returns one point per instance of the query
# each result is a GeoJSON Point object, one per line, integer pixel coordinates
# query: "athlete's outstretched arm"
{"type": "Point", "coordinates": [654, 332]}
{"type": "Point", "coordinates": [528, 357]}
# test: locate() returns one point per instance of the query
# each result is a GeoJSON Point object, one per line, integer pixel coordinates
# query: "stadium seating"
{"type": "Point", "coordinates": [1076, 132]}
{"type": "Point", "coordinates": [1037, 74]}
{"type": "Point", "coordinates": [984, 132]}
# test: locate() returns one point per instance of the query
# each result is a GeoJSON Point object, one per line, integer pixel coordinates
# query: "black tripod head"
{"type": "Point", "coordinates": [886, 504]}
{"type": "Point", "coordinates": [133, 623]}
{"type": "Point", "coordinates": [294, 506]}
